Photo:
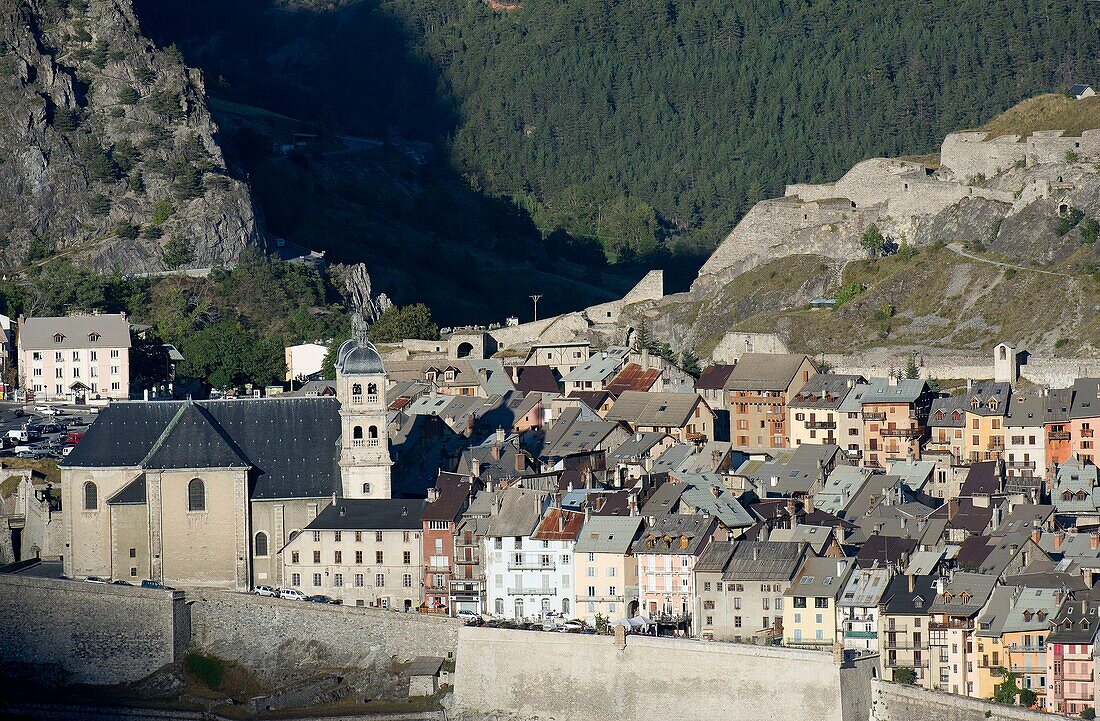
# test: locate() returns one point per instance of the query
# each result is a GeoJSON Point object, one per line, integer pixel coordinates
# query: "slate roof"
{"type": "Point", "coordinates": [592, 399]}
{"type": "Point", "coordinates": [899, 600]}
{"type": "Point", "coordinates": [948, 412]}
{"type": "Point", "coordinates": [1025, 410]}
{"type": "Point", "coordinates": [598, 367]}
{"type": "Point", "coordinates": [543, 379]}
{"type": "Point", "coordinates": [454, 492]}
{"type": "Point", "coordinates": [1059, 403]}
{"type": "Point", "coordinates": [1086, 398]}
{"type": "Point", "coordinates": [714, 377]}
{"type": "Point", "coordinates": [519, 513]}
{"type": "Point", "coordinates": [824, 391]}
{"type": "Point", "coordinates": [133, 493]}
{"type": "Point", "coordinates": [816, 537]}
{"type": "Point", "coordinates": [633, 378]}
{"type": "Point", "coordinates": [1078, 88]}
{"type": "Point", "coordinates": [821, 577]}
{"type": "Point", "coordinates": [689, 498]}
{"type": "Point", "coordinates": [886, 390]}
{"type": "Point", "coordinates": [654, 409]}
{"type": "Point", "coordinates": [764, 371]}
{"type": "Point", "coordinates": [608, 534]}
{"type": "Point", "coordinates": [38, 333]}
{"type": "Point", "coordinates": [982, 479]}
{"type": "Point", "coordinates": [425, 666]}
{"type": "Point", "coordinates": [985, 392]}
{"type": "Point", "coordinates": [865, 588]}
{"type": "Point", "coordinates": [793, 470]}
{"type": "Point", "coordinates": [695, 528]}
{"type": "Point", "coordinates": [883, 551]}
{"type": "Point", "coordinates": [370, 514]}
{"type": "Point", "coordinates": [291, 443]}
{"type": "Point", "coordinates": [968, 593]}
{"type": "Point", "coordinates": [1076, 622]}
{"type": "Point", "coordinates": [764, 561]}
{"type": "Point", "coordinates": [715, 557]}
{"type": "Point", "coordinates": [570, 436]}
{"type": "Point", "coordinates": [637, 446]}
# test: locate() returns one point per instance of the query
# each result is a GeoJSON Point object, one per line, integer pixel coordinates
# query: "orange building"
{"type": "Point", "coordinates": [895, 418]}
{"type": "Point", "coordinates": [985, 408]}
{"type": "Point", "coordinates": [446, 503]}
{"type": "Point", "coordinates": [757, 392]}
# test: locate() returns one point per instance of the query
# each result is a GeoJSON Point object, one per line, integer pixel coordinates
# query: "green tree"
{"type": "Point", "coordinates": [1006, 691]}
{"type": "Point", "coordinates": [873, 241]}
{"type": "Point", "coordinates": [65, 121]}
{"type": "Point", "coordinates": [1027, 697]}
{"type": "Point", "coordinates": [1088, 713]}
{"type": "Point", "coordinates": [689, 362]}
{"type": "Point", "coordinates": [905, 675]}
{"type": "Point", "coordinates": [162, 211]}
{"type": "Point", "coordinates": [227, 356]}
{"type": "Point", "coordinates": [128, 96]}
{"type": "Point", "coordinates": [177, 252]}
{"type": "Point", "coordinates": [188, 183]}
{"type": "Point", "coordinates": [1089, 230]}
{"type": "Point", "coordinates": [912, 370]}
{"type": "Point", "coordinates": [400, 323]}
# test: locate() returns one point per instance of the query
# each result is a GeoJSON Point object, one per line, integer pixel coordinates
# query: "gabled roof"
{"type": "Point", "coordinates": [654, 409]}
{"type": "Point", "coordinates": [822, 577]}
{"type": "Point", "coordinates": [899, 600]}
{"type": "Point", "coordinates": [592, 399]}
{"type": "Point", "coordinates": [1078, 88]}
{"type": "Point", "coordinates": [1086, 398]}
{"type": "Point", "coordinates": [764, 371]}
{"type": "Point", "coordinates": [370, 514]}
{"type": "Point", "coordinates": [825, 391]}
{"type": "Point", "coordinates": [982, 479]}
{"type": "Point", "coordinates": [599, 366]}
{"type": "Point", "coordinates": [987, 398]}
{"type": "Point", "coordinates": [537, 378]}
{"type": "Point", "coordinates": [633, 378]}
{"type": "Point", "coordinates": [608, 534]}
{"type": "Point", "coordinates": [676, 534]}
{"type": "Point", "coordinates": [715, 557]}
{"type": "Point", "coordinates": [883, 551]}
{"type": "Point", "coordinates": [889, 390]}
{"type": "Point", "coordinates": [520, 512]}
{"type": "Point", "coordinates": [133, 493]}
{"type": "Point", "coordinates": [966, 594]}
{"type": "Point", "coordinates": [865, 588]}
{"type": "Point", "coordinates": [75, 332]}
{"type": "Point", "coordinates": [948, 412]}
{"type": "Point", "coordinates": [454, 493]}
{"type": "Point", "coordinates": [714, 377]}
{"type": "Point", "coordinates": [680, 498]}
{"type": "Point", "coordinates": [292, 444]}
{"type": "Point", "coordinates": [764, 561]}
{"type": "Point", "coordinates": [559, 525]}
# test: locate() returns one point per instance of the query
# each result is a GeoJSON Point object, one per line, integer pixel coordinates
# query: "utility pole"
{"type": "Point", "coordinates": [535, 298]}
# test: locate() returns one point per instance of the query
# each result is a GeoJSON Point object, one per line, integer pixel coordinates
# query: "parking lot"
{"type": "Point", "coordinates": [48, 434]}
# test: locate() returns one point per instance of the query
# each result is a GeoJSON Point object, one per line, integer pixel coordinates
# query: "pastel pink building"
{"type": "Point", "coordinates": [75, 358]}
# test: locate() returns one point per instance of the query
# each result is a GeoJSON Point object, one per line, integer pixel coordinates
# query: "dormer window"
{"type": "Point", "coordinates": [58, 337]}
{"type": "Point", "coordinates": [93, 337]}
{"type": "Point", "coordinates": [956, 416]}
{"type": "Point", "coordinates": [431, 375]}
{"type": "Point", "coordinates": [449, 375]}
{"type": "Point", "coordinates": [992, 404]}
{"type": "Point", "coordinates": [939, 415]}
{"type": "Point", "coordinates": [974, 403]}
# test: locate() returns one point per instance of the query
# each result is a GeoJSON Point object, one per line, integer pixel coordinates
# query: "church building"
{"type": "Point", "coordinates": [206, 493]}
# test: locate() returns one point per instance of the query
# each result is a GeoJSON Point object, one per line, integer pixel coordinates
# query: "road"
{"type": "Point", "coordinates": [959, 250]}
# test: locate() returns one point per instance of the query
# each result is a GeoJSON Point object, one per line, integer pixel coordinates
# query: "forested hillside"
{"type": "Point", "coordinates": [650, 125]}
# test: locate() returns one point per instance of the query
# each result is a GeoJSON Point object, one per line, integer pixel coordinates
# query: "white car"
{"type": "Point", "coordinates": [293, 594]}
{"type": "Point", "coordinates": [47, 410]}
{"type": "Point", "coordinates": [467, 615]}
{"type": "Point", "coordinates": [266, 591]}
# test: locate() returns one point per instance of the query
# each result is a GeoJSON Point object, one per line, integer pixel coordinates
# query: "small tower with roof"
{"type": "Point", "coordinates": [364, 441]}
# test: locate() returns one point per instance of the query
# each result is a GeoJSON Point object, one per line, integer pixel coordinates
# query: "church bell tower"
{"type": "Point", "coordinates": [364, 440]}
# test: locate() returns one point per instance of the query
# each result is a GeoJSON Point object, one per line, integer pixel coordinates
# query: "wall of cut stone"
{"type": "Point", "coordinates": [524, 675]}
{"type": "Point", "coordinates": [272, 637]}
{"type": "Point", "coordinates": [897, 702]}
{"type": "Point", "coordinates": [91, 633]}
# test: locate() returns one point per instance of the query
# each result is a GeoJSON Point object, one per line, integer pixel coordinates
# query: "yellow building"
{"type": "Point", "coordinates": [1011, 637]}
{"type": "Point", "coordinates": [953, 657]}
{"type": "Point", "coordinates": [606, 573]}
{"type": "Point", "coordinates": [809, 613]}
{"type": "Point", "coordinates": [984, 435]}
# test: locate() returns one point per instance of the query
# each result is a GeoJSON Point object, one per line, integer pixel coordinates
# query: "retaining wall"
{"type": "Point", "coordinates": [525, 675]}
{"type": "Point", "coordinates": [896, 702]}
{"type": "Point", "coordinates": [271, 636]}
{"type": "Point", "coordinates": [94, 633]}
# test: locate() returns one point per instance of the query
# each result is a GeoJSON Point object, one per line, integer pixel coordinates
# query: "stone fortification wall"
{"type": "Point", "coordinates": [968, 154]}
{"type": "Point", "coordinates": [895, 702]}
{"type": "Point", "coordinates": [1051, 372]}
{"type": "Point", "coordinates": [785, 226]}
{"type": "Point", "coordinates": [733, 345]}
{"type": "Point", "coordinates": [271, 636]}
{"type": "Point", "coordinates": [564, 677]}
{"type": "Point", "coordinates": [92, 633]}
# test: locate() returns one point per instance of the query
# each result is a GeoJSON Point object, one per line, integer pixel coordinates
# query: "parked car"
{"type": "Point", "coordinates": [321, 598]}
{"type": "Point", "coordinates": [468, 615]}
{"type": "Point", "coordinates": [120, 582]}
{"type": "Point", "coordinates": [293, 594]}
{"type": "Point", "coordinates": [96, 579]}
{"type": "Point", "coordinates": [67, 450]}
{"type": "Point", "coordinates": [46, 410]}
{"type": "Point", "coordinates": [573, 626]}
{"type": "Point", "coordinates": [27, 452]}
{"type": "Point", "coordinates": [155, 585]}
{"type": "Point", "coordinates": [266, 591]}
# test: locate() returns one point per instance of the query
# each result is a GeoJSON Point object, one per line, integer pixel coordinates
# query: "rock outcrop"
{"type": "Point", "coordinates": [108, 154]}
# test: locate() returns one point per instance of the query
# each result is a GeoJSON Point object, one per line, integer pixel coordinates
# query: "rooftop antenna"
{"type": "Point", "coordinates": [535, 298]}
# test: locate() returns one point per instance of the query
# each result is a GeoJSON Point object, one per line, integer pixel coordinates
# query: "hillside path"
{"type": "Point", "coordinates": [958, 250]}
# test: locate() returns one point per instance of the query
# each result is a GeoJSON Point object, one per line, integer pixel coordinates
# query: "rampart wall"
{"type": "Point", "coordinates": [93, 633]}
{"type": "Point", "coordinates": [897, 702]}
{"type": "Point", "coordinates": [1051, 372]}
{"type": "Point", "coordinates": [565, 677]}
{"type": "Point", "coordinates": [270, 635]}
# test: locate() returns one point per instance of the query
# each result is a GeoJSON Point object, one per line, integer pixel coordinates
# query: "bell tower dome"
{"type": "Point", "coordinates": [364, 440]}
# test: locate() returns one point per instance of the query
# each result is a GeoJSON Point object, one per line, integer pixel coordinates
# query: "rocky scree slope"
{"type": "Point", "coordinates": [108, 154]}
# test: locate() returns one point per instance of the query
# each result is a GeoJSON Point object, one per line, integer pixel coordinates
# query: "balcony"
{"type": "Point", "coordinates": [996, 443]}
{"type": "Point", "coordinates": [821, 425]}
{"type": "Point", "coordinates": [372, 399]}
{"type": "Point", "coordinates": [432, 568]}
{"type": "Point", "coordinates": [900, 432]}
{"type": "Point", "coordinates": [1086, 433]}
{"type": "Point", "coordinates": [902, 644]}
{"type": "Point", "coordinates": [1078, 676]}
{"type": "Point", "coordinates": [862, 634]}
{"type": "Point", "coordinates": [531, 566]}
{"type": "Point", "coordinates": [522, 591]}
{"type": "Point", "coordinates": [964, 624]}
{"type": "Point", "coordinates": [471, 561]}
{"type": "Point", "coordinates": [1059, 435]}
{"type": "Point", "coordinates": [776, 413]}
{"type": "Point", "coordinates": [903, 663]}
{"type": "Point", "coordinates": [874, 416]}
{"type": "Point", "coordinates": [1020, 464]}
{"type": "Point", "coordinates": [599, 599]}
{"type": "Point", "coordinates": [437, 589]}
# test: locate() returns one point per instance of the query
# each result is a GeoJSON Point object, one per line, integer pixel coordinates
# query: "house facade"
{"type": "Point", "coordinates": [75, 358]}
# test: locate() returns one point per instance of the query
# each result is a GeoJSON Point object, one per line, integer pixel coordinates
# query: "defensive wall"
{"type": "Point", "coordinates": [96, 634]}
{"type": "Point", "coordinates": [270, 635]}
{"type": "Point", "coordinates": [968, 154]}
{"type": "Point", "coordinates": [1050, 372]}
{"type": "Point", "coordinates": [897, 702]}
{"type": "Point", "coordinates": [525, 675]}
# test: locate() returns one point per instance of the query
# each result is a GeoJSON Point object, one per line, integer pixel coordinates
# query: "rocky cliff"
{"type": "Point", "coordinates": [108, 154]}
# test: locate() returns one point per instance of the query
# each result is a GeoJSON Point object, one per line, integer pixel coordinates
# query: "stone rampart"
{"type": "Point", "coordinates": [565, 677]}
{"type": "Point", "coordinates": [91, 633]}
{"type": "Point", "coordinates": [969, 154]}
{"type": "Point", "coordinates": [1050, 372]}
{"type": "Point", "coordinates": [896, 702]}
{"type": "Point", "coordinates": [272, 636]}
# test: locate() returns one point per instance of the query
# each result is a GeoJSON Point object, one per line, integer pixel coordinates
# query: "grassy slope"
{"type": "Point", "coordinates": [1046, 112]}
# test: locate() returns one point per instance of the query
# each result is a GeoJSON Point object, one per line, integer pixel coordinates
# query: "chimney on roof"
{"type": "Point", "coordinates": [500, 434]}
{"type": "Point", "coordinates": [475, 467]}
{"type": "Point", "coordinates": [521, 463]}
{"type": "Point", "coordinates": [600, 500]}
{"type": "Point", "coordinates": [645, 359]}
{"type": "Point", "coordinates": [714, 491]}
{"type": "Point", "coordinates": [1036, 534]}
{"type": "Point", "coordinates": [715, 459]}
{"type": "Point", "coordinates": [587, 514]}
{"type": "Point", "coordinates": [561, 520]}
{"type": "Point", "coordinates": [891, 380]}
{"type": "Point", "coordinates": [1059, 537]}
{"type": "Point", "coordinates": [631, 505]}
{"type": "Point", "coordinates": [343, 511]}
{"type": "Point", "coordinates": [1094, 540]}
{"type": "Point", "coordinates": [952, 508]}
{"type": "Point", "coordinates": [433, 494]}
{"type": "Point", "coordinates": [756, 553]}
{"type": "Point", "coordinates": [764, 534]}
